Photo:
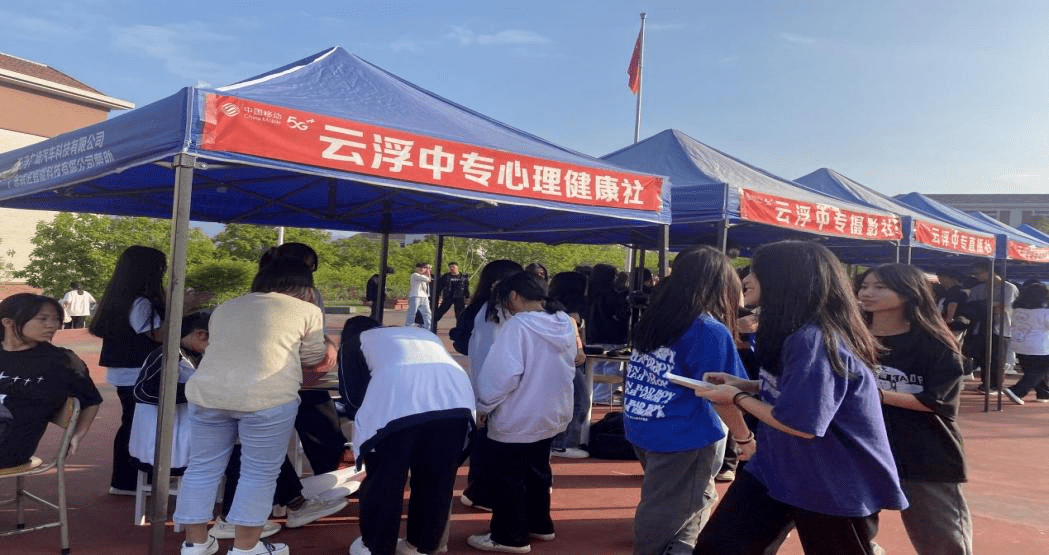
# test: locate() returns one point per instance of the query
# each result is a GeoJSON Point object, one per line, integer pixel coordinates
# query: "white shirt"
{"type": "Point", "coordinates": [140, 323]}
{"type": "Point", "coordinates": [258, 345]}
{"type": "Point", "coordinates": [420, 286]}
{"type": "Point", "coordinates": [1030, 331]}
{"type": "Point", "coordinates": [77, 303]}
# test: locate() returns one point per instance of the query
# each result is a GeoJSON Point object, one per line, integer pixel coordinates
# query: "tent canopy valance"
{"type": "Point", "coordinates": [332, 142]}
{"type": "Point", "coordinates": [711, 190]}
{"type": "Point", "coordinates": [938, 240]}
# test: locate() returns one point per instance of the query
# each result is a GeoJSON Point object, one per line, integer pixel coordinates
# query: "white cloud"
{"type": "Point", "coordinates": [664, 26]}
{"type": "Point", "coordinates": [406, 45]}
{"type": "Point", "coordinates": [798, 39]}
{"type": "Point", "coordinates": [515, 37]}
{"type": "Point", "coordinates": [186, 50]}
{"type": "Point", "coordinates": [14, 26]}
{"type": "Point", "coordinates": [1035, 178]}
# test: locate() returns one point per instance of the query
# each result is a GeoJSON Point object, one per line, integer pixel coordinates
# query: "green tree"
{"type": "Point", "coordinates": [224, 278]}
{"type": "Point", "coordinates": [6, 267]}
{"type": "Point", "coordinates": [71, 247]}
{"type": "Point", "coordinates": [1039, 222]}
{"type": "Point", "coordinates": [249, 242]}
{"type": "Point", "coordinates": [85, 248]}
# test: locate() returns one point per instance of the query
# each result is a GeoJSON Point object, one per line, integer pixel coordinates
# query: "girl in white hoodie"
{"type": "Point", "coordinates": [525, 390]}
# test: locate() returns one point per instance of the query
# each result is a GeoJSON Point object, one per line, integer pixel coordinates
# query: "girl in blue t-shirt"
{"type": "Point", "coordinates": [824, 464]}
{"type": "Point", "coordinates": [678, 437]}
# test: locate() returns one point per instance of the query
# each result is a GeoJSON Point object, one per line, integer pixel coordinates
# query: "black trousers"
{"type": "Point", "coordinates": [430, 452]}
{"type": "Point", "coordinates": [1036, 371]}
{"type": "Point", "coordinates": [993, 372]}
{"type": "Point", "coordinates": [446, 303]}
{"type": "Point", "coordinates": [317, 424]}
{"type": "Point", "coordinates": [747, 521]}
{"type": "Point", "coordinates": [125, 468]}
{"type": "Point", "coordinates": [478, 480]}
{"type": "Point", "coordinates": [521, 480]}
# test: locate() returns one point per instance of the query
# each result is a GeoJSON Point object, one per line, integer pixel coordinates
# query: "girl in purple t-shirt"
{"type": "Point", "coordinates": [823, 462]}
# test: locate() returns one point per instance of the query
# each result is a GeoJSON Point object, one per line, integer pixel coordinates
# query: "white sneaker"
{"type": "Point", "coordinates": [469, 503]}
{"type": "Point", "coordinates": [262, 548]}
{"type": "Point", "coordinates": [206, 548]}
{"type": "Point", "coordinates": [223, 530]}
{"type": "Point", "coordinates": [484, 543]}
{"type": "Point", "coordinates": [314, 509]}
{"type": "Point", "coordinates": [358, 547]}
{"type": "Point", "coordinates": [1012, 396]}
{"type": "Point", "coordinates": [570, 453]}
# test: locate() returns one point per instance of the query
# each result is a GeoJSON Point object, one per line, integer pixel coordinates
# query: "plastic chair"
{"type": "Point", "coordinates": [65, 418]}
{"type": "Point", "coordinates": [143, 490]}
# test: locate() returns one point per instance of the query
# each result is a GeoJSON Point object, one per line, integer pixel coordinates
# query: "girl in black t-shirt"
{"type": "Point", "coordinates": [920, 378]}
{"type": "Point", "coordinates": [36, 377]}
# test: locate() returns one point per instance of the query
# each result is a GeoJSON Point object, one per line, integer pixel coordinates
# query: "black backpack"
{"type": "Point", "coordinates": [608, 439]}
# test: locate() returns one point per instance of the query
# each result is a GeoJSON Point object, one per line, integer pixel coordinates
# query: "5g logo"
{"type": "Point", "coordinates": [294, 123]}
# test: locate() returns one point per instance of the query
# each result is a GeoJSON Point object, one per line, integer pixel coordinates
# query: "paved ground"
{"type": "Point", "coordinates": [593, 500]}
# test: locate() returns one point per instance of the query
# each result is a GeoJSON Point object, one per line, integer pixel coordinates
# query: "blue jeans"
{"type": "Point", "coordinates": [264, 437]}
{"type": "Point", "coordinates": [421, 305]}
{"type": "Point", "coordinates": [580, 407]}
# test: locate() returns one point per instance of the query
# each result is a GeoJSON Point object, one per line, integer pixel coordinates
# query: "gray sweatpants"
{"type": "Point", "coordinates": [677, 495]}
{"type": "Point", "coordinates": [937, 521]}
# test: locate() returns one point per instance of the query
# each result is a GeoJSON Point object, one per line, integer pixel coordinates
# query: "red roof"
{"type": "Point", "coordinates": [41, 71]}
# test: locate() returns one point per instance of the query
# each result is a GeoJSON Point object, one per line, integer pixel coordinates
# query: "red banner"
{"type": "Point", "coordinates": [953, 239]}
{"type": "Point", "coordinates": [243, 126]}
{"type": "Point", "coordinates": [1029, 253]}
{"type": "Point", "coordinates": [814, 217]}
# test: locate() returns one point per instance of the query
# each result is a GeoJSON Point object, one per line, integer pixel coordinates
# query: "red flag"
{"type": "Point", "coordinates": [634, 71]}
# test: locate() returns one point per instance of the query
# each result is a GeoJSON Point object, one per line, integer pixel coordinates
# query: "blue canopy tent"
{"type": "Point", "coordinates": [1011, 246]}
{"type": "Point", "coordinates": [1034, 232]}
{"type": "Point", "coordinates": [330, 141]}
{"type": "Point", "coordinates": [927, 241]}
{"type": "Point", "coordinates": [718, 199]}
{"type": "Point", "coordinates": [299, 146]}
{"type": "Point", "coordinates": [1028, 255]}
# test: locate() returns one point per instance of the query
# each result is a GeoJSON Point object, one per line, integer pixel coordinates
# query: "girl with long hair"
{"type": "Point", "coordinates": [525, 391]}
{"type": "Point", "coordinates": [679, 437]}
{"type": "Point", "coordinates": [129, 319]}
{"type": "Point", "coordinates": [823, 463]}
{"type": "Point", "coordinates": [920, 381]}
{"type": "Point", "coordinates": [1030, 342]}
{"type": "Point", "coordinates": [473, 336]}
{"type": "Point", "coordinates": [569, 289]}
{"type": "Point", "coordinates": [263, 346]}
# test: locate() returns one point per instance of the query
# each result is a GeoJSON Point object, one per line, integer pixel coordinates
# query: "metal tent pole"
{"type": "Point", "coordinates": [438, 260]}
{"type": "Point", "coordinates": [664, 250]}
{"type": "Point", "coordinates": [988, 331]}
{"type": "Point", "coordinates": [384, 261]}
{"type": "Point", "coordinates": [184, 165]}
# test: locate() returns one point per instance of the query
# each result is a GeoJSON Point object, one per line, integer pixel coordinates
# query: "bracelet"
{"type": "Point", "coordinates": [745, 440]}
{"type": "Point", "coordinates": [735, 400]}
{"type": "Point", "coordinates": [881, 396]}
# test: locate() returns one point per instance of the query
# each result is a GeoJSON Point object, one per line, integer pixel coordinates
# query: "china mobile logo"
{"type": "Point", "coordinates": [230, 109]}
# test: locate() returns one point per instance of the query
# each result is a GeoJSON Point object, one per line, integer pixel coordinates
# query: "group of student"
{"type": "Point", "coordinates": [1019, 330]}
{"type": "Point", "coordinates": [849, 407]}
{"type": "Point", "coordinates": [852, 408]}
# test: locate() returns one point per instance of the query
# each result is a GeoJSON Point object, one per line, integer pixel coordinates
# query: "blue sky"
{"type": "Point", "coordinates": [929, 95]}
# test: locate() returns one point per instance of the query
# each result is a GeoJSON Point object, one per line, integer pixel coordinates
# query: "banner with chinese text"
{"type": "Point", "coordinates": [953, 239]}
{"type": "Point", "coordinates": [1026, 252]}
{"type": "Point", "coordinates": [243, 126]}
{"type": "Point", "coordinates": [815, 217]}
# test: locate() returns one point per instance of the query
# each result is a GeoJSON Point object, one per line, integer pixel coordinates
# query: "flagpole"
{"type": "Point", "coordinates": [640, 80]}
